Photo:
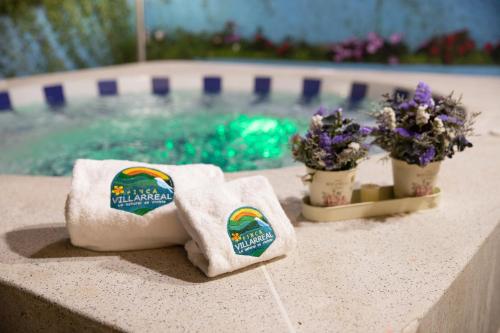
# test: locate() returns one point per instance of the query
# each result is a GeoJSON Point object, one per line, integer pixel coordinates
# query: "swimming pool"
{"type": "Point", "coordinates": [230, 130]}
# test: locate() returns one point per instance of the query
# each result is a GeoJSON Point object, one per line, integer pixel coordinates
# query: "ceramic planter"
{"type": "Point", "coordinates": [412, 180]}
{"type": "Point", "coordinates": [331, 188]}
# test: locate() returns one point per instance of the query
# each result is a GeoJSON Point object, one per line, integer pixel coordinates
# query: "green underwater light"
{"type": "Point", "coordinates": [238, 143]}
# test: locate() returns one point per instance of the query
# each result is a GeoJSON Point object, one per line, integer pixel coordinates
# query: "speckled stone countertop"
{"type": "Point", "coordinates": [435, 270]}
{"type": "Point", "coordinates": [361, 275]}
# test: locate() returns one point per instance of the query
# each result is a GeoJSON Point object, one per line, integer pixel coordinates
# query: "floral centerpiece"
{"type": "Point", "coordinates": [331, 150]}
{"type": "Point", "coordinates": [419, 133]}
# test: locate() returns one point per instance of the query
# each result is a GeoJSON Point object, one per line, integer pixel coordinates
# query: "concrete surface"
{"type": "Point", "coordinates": [432, 271]}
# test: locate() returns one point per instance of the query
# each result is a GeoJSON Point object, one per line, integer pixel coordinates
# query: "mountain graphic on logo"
{"type": "Point", "coordinates": [262, 223]}
{"type": "Point", "coordinates": [164, 184]}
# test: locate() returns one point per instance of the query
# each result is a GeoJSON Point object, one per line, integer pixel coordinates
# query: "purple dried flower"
{"type": "Point", "coordinates": [408, 105]}
{"type": "Point", "coordinates": [365, 130]}
{"type": "Point", "coordinates": [427, 156]}
{"type": "Point", "coordinates": [423, 94]}
{"type": "Point", "coordinates": [404, 105]}
{"type": "Point", "coordinates": [340, 138]}
{"type": "Point", "coordinates": [407, 133]}
{"type": "Point", "coordinates": [403, 132]}
{"type": "Point", "coordinates": [450, 119]}
{"type": "Point", "coordinates": [325, 142]}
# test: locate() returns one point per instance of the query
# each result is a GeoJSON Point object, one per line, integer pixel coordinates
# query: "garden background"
{"type": "Point", "coordinates": [38, 36]}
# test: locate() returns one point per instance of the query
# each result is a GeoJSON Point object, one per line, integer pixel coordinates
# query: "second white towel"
{"type": "Point", "coordinates": [234, 225]}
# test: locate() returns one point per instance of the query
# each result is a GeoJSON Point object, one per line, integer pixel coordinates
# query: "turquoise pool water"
{"type": "Point", "coordinates": [229, 130]}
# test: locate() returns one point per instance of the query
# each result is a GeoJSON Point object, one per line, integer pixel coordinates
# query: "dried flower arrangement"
{"type": "Point", "coordinates": [420, 130]}
{"type": "Point", "coordinates": [332, 142]}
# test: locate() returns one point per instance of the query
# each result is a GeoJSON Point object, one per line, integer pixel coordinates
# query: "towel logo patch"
{"type": "Point", "coordinates": [140, 190]}
{"type": "Point", "coordinates": [249, 231]}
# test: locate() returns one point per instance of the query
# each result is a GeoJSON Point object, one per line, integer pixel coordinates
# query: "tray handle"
{"type": "Point", "coordinates": [308, 177]}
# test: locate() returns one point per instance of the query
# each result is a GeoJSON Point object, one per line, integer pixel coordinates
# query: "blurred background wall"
{"type": "Point", "coordinates": [330, 20]}
{"type": "Point", "coordinates": [38, 36]}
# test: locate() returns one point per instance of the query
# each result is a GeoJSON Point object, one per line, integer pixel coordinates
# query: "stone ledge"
{"type": "Point", "coordinates": [360, 275]}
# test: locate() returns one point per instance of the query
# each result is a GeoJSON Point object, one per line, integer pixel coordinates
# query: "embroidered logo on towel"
{"type": "Point", "coordinates": [140, 190]}
{"type": "Point", "coordinates": [249, 231]}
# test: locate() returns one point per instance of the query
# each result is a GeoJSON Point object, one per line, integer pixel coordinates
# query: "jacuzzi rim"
{"type": "Point", "coordinates": [187, 75]}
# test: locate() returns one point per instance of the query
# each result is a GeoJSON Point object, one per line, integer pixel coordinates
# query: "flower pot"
{"type": "Point", "coordinates": [331, 188]}
{"type": "Point", "coordinates": [411, 180]}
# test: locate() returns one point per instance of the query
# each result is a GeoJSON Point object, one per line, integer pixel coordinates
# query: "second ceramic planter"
{"type": "Point", "coordinates": [331, 188]}
{"type": "Point", "coordinates": [412, 180]}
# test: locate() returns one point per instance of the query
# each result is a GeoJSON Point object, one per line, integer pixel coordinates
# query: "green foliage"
{"type": "Point", "coordinates": [86, 32]}
{"type": "Point", "coordinates": [181, 44]}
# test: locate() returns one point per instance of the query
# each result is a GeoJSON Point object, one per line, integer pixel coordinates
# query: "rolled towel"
{"type": "Point", "coordinates": [234, 225]}
{"type": "Point", "coordinates": [124, 205]}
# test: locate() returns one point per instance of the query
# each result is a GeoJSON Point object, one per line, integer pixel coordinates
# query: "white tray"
{"type": "Point", "coordinates": [386, 205]}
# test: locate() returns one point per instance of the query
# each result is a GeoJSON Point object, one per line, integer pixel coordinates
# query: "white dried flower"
{"type": "Point", "coordinates": [316, 122]}
{"type": "Point", "coordinates": [422, 116]}
{"type": "Point", "coordinates": [354, 146]}
{"type": "Point", "coordinates": [346, 152]}
{"type": "Point", "coordinates": [451, 133]}
{"type": "Point", "coordinates": [388, 117]}
{"type": "Point", "coordinates": [439, 126]}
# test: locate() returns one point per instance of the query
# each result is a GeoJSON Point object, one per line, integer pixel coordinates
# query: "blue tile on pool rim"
{"type": "Point", "coordinates": [310, 89]}
{"type": "Point", "coordinates": [5, 104]}
{"type": "Point", "coordinates": [107, 88]}
{"type": "Point", "coordinates": [262, 86]}
{"type": "Point", "coordinates": [358, 93]}
{"type": "Point", "coordinates": [212, 85]}
{"type": "Point", "coordinates": [161, 86]}
{"type": "Point", "coordinates": [404, 93]}
{"type": "Point", "coordinates": [54, 95]}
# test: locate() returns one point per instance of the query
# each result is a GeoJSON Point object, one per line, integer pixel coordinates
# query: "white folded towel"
{"type": "Point", "coordinates": [234, 225]}
{"type": "Point", "coordinates": [124, 205]}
